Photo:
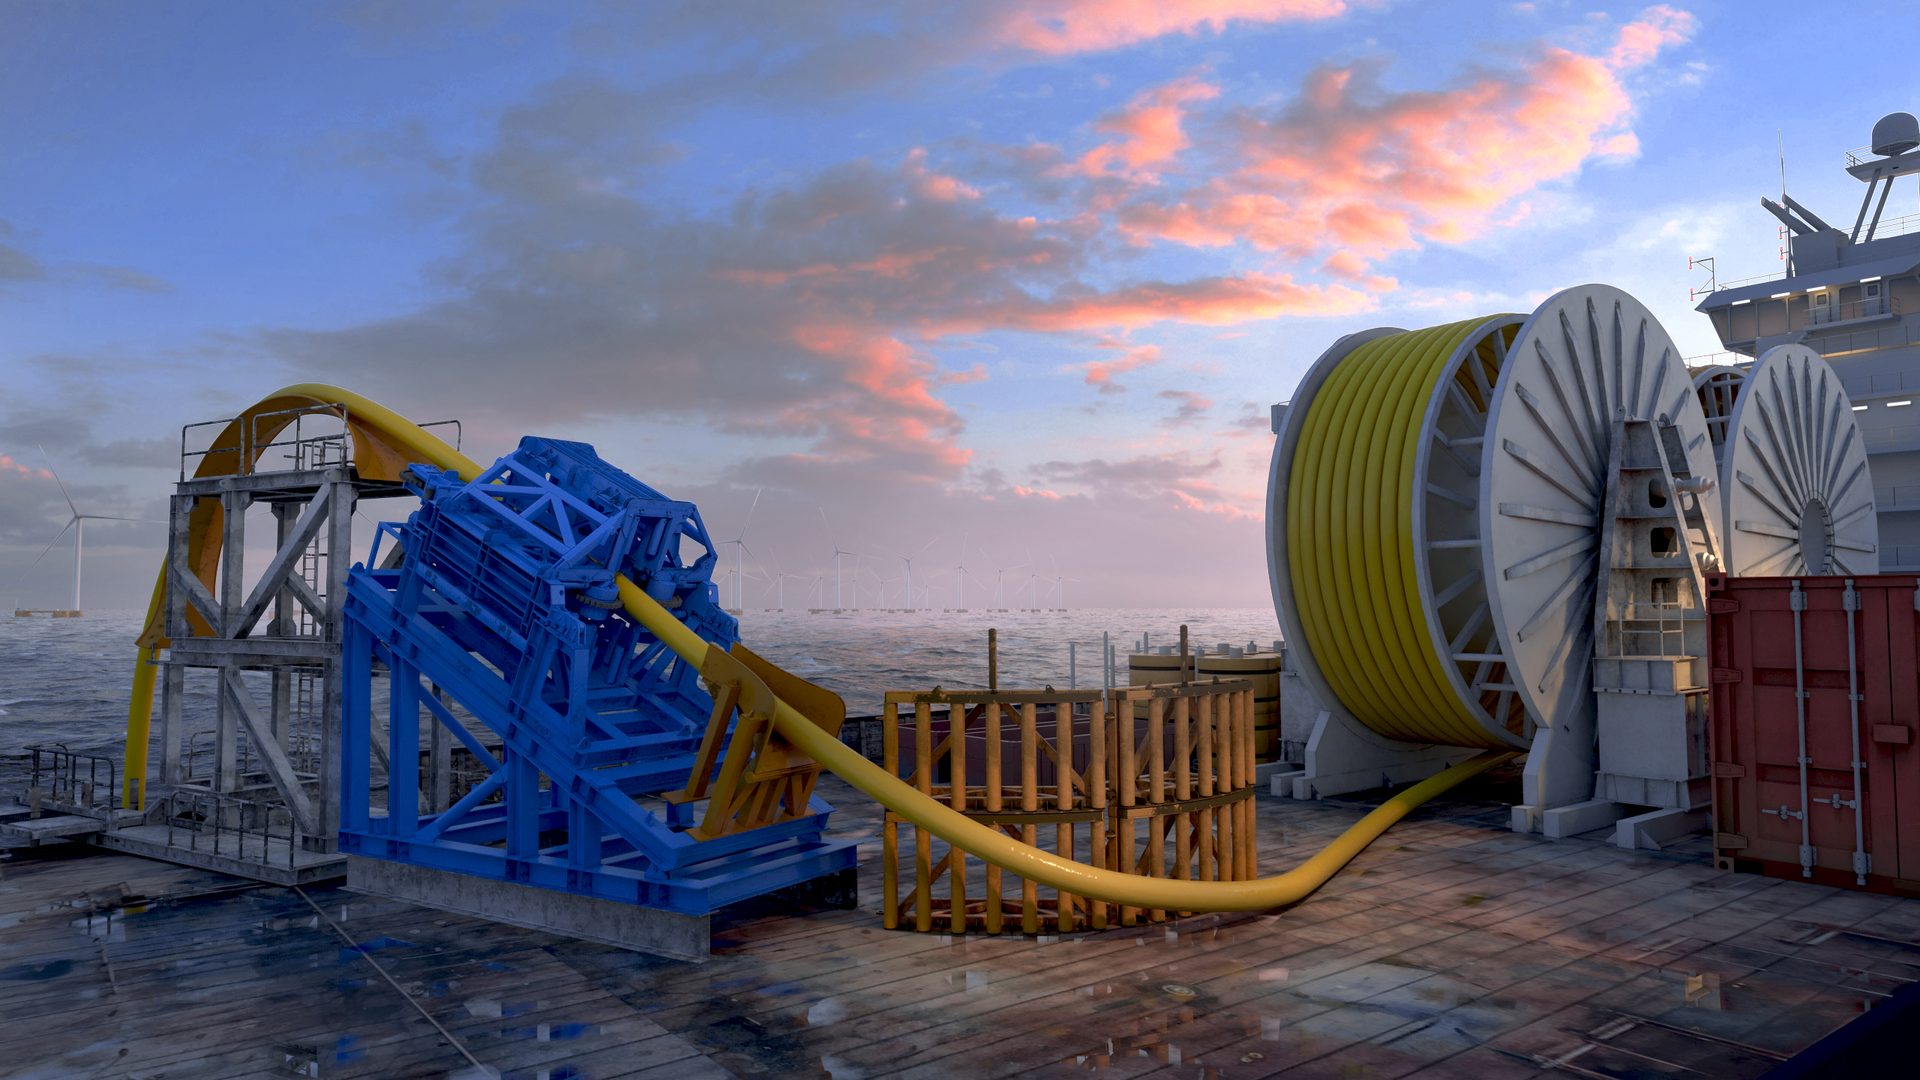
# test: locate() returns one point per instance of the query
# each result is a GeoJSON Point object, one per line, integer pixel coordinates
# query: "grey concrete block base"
{"type": "Point", "coordinates": [625, 926]}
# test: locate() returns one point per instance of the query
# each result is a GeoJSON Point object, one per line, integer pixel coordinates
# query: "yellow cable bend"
{"type": "Point", "coordinates": [384, 443]}
{"type": "Point", "coordinates": [390, 431]}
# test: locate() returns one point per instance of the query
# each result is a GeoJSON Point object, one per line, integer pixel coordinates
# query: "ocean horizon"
{"type": "Point", "coordinates": [67, 681]}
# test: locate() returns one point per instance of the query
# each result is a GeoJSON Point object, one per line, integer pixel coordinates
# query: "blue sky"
{"type": "Point", "coordinates": [1015, 281]}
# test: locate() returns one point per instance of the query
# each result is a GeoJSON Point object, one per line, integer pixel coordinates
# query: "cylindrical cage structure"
{"type": "Point", "coordinates": [1154, 780]}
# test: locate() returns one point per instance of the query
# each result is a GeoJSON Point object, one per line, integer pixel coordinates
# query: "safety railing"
{"type": "Point", "coordinates": [231, 826]}
{"type": "Point", "coordinates": [1148, 780]}
{"type": "Point", "coordinates": [1716, 359]}
{"type": "Point", "coordinates": [1821, 314]}
{"type": "Point", "coordinates": [73, 779]}
{"type": "Point", "coordinates": [200, 758]}
{"type": "Point", "coordinates": [290, 432]}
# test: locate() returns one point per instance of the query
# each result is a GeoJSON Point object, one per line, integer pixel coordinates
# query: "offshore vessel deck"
{"type": "Point", "coordinates": [1456, 947]}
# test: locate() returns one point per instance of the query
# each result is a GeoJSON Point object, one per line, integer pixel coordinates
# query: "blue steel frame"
{"type": "Point", "coordinates": [505, 604]}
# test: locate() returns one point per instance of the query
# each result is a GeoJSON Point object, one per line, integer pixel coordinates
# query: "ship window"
{"type": "Point", "coordinates": [1821, 299]}
{"type": "Point", "coordinates": [1870, 291]}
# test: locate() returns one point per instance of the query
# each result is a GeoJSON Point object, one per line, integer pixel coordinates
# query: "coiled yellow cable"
{"type": "Point", "coordinates": [1350, 542]}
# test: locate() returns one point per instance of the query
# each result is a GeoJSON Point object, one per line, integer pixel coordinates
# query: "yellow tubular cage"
{"type": "Point", "coordinates": [384, 442]}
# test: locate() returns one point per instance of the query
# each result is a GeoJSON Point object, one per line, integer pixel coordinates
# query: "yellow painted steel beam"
{"type": "Point", "coordinates": [390, 441]}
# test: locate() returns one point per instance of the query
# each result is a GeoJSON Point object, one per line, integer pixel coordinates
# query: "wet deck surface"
{"type": "Point", "coordinates": [1452, 948]}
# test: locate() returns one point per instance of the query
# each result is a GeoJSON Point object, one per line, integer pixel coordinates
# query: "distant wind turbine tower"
{"type": "Point", "coordinates": [837, 552]}
{"type": "Point", "coordinates": [908, 560]}
{"type": "Point", "coordinates": [739, 543]}
{"type": "Point", "coordinates": [78, 523]}
{"type": "Point", "coordinates": [960, 587]}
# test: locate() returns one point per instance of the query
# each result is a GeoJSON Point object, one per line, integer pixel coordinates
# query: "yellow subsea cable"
{"type": "Point", "coordinates": [1339, 452]}
{"type": "Point", "coordinates": [1350, 544]}
{"type": "Point", "coordinates": [384, 440]}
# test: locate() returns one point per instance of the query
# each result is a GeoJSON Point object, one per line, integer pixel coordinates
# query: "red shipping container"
{"type": "Point", "coordinates": [1824, 673]}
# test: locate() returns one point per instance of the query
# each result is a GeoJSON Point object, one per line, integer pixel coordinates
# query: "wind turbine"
{"type": "Point", "coordinates": [739, 543]}
{"type": "Point", "coordinates": [778, 585]}
{"type": "Point", "coordinates": [1060, 585]}
{"type": "Point", "coordinates": [837, 552]}
{"type": "Point", "coordinates": [926, 587]}
{"type": "Point", "coordinates": [78, 523]}
{"type": "Point", "coordinates": [999, 588]}
{"type": "Point", "coordinates": [908, 560]}
{"type": "Point", "coordinates": [960, 589]}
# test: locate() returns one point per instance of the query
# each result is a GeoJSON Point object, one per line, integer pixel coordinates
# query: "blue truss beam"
{"type": "Point", "coordinates": [505, 603]}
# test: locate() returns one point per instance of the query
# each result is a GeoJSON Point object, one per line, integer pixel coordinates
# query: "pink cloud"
{"type": "Point", "coordinates": [934, 185]}
{"type": "Point", "coordinates": [9, 464]}
{"type": "Point", "coordinates": [974, 374]}
{"type": "Point", "coordinates": [1656, 28]}
{"type": "Point", "coordinates": [890, 411]}
{"type": "Point", "coordinates": [1100, 373]}
{"type": "Point", "coordinates": [1212, 301]}
{"type": "Point", "coordinates": [1356, 171]}
{"type": "Point", "coordinates": [1151, 129]}
{"type": "Point", "coordinates": [1059, 27]}
{"type": "Point", "coordinates": [1349, 266]}
{"type": "Point", "coordinates": [1036, 493]}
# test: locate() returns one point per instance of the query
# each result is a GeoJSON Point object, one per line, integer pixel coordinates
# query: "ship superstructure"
{"type": "Point", "coordinates": [1853, 295]}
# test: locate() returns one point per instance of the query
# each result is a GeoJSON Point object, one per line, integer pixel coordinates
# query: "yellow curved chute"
{"type": "Point", "coordinates": [385, 442]}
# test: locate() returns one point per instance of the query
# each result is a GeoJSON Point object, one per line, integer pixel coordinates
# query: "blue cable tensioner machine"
{"type": "Point", "coordinates": [622, 794]}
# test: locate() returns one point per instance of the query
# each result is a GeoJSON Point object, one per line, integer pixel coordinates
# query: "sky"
{"type": "Point", "coordinates": [1002, 286]}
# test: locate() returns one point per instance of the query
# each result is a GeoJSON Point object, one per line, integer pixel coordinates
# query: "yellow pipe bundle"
{"type": "Point", "coordinates": [1352, 545]}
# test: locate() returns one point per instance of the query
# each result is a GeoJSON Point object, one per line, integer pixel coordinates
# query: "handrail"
{"type": "Point", "coordinates": [62, 770]}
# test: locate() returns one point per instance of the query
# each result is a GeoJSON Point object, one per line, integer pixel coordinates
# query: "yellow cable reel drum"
{"type": "Point", "coordinates": [1373, 535]}
{"type": "Point", "coordinates": [1435, 511]}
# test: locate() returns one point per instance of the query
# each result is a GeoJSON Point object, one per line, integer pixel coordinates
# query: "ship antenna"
{"type": "Point", "coordinates": [1786, 247]}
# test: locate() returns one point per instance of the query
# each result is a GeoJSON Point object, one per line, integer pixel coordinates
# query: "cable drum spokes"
{"type": "Point", "coordinates": [1797, 497]}
{"type": "Point", "coordinates": [1718, 388]}
{"type": "Point", "coordinates": [1586, 359]}
{"type": "Point", "coordinates": [1446, 530]}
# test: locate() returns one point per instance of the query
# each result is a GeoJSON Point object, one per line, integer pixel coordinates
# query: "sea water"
{"type": "Point", "coordinates": [66, 681]}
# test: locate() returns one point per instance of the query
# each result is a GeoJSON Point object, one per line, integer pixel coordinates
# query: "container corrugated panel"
{"type": "Point", "coordinates": [1832, 677]}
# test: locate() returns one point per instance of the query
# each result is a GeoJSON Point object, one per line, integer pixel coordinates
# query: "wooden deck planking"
{"type": "Point", "coordinates": [1452, 948]}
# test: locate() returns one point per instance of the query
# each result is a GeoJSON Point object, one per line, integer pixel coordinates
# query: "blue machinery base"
{"type": "Point", "coordinates": [502, 618]}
